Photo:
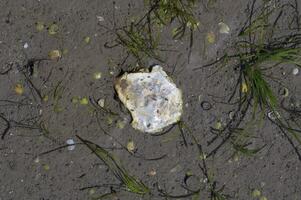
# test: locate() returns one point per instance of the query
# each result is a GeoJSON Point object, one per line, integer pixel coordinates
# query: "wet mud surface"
{"type": "Point", "coordinates": [59, 94]}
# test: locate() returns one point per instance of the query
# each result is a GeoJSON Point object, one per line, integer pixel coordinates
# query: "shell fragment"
{"type": "Point", "coordinates": [152, 98]}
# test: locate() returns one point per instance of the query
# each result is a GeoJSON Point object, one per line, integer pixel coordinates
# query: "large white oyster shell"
{"type": "Point", "coordinates": [152, 98]}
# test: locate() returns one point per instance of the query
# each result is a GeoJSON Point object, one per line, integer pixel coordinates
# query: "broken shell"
{"type": "Point", "coordinates": [97, 75]}
{"type": "Point", "coordinates": [92, 191]}
{"type": "Point", "coordinates": [244, 87]}
{"type": "Point", "coordinates": [273, 115]}
{"type": "Point", "coordinates": [295, 71]}
{"type": "Point", "coordinates": [120, 124]}
{"type": "Point", "coordinates": [46, 167]}
{"type": "Point", "coordinates": [218, 125]}
{"type": "Point", "coordinates": [109, 120]}
{"type": "Point", "coordinates": [223, 28]}
{"type": "Point", "coordinates": [130, 146]}
{"type": "Point", "coordinates": [100, 18]}
{"type": "Point", "coordinates": [152, 98]}
{"type": "Point", "coordinates": [53, 29]}
{"type": "Point", "coordinates": [37, 160]}
{"type": "Point", "coordinates": [211, 37]}
{"type": "Point", "coordinates": [87, 40]}
{"type": "Point", "coordinates": [84, 101]}
{"type": "Point", "coordinates": [231, 115]}
{"type": "Point", "coordinates": [55, 54]}
{"type": "Point", "coordinates": [19, 89]}
{"type": "Point", "coordinates": [26, 45]}
{"type": "Point", "coordinates": [256, 193]}
{"type": "Point", "coordinates": [101, 103]}
{"type": "Point", "coordinates": [152, 172]}
{"type": "Point", "coordinates": [284, 92]}
{"type": "Point", "coordinates": [39, 26]}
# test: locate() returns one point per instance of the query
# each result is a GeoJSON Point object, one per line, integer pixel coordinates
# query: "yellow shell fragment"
{"type": "Point", "coordinates": [53, 29]}
{"type": "Point", "coordinates": [130, 146]}
{"type": "Point", "coordinates": [55, 54]}
{"type": "Point", "coordinates": [39, 26]}
{"type": "Point", "coordinates": [210, 37]}
{"type": "Point", "coordinates": [223, 28]}
{"type": "Point", "coordinates": [244, 88]}
{"type": "Point", "coordinates": [87, 40]}
{"type": "Point", "coordinates": [152, 98]}
{"type": "Point", "coordinates": [84, 101]}
{"type": "Point", "coordinates": [256, 193]}
{"type": "Point", "coordinates": [19, 89]}
{"type": "Point", "coordinates": [97, 75]}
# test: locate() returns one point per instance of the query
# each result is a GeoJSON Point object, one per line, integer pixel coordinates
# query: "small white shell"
{"type": "Point", "coordinates": [223, 28]}
{"type": "Point", "coordinates": [101, 103]}
{"type": "Point", "coordinates": [152, 98]}
{"type": "Point", "coordinates": [70, 142]}
{"type": "Point", "coordinates": [273, 115]}
{"type": "Point", "coordinates": [100, 18]}
{"type": "Point", "coordinates": [296, 71]}
{"type": "Point", "coordinates": [26, 45]}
